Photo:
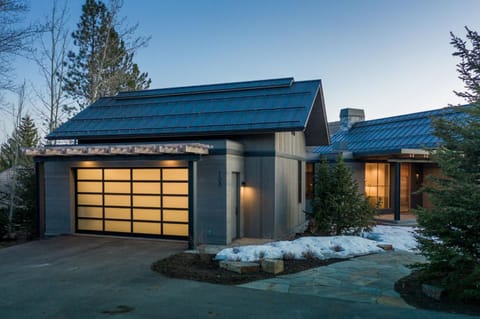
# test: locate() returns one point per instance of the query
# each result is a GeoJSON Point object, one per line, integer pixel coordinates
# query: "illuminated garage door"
{"type": "Point", "coordinates": [132, 201]}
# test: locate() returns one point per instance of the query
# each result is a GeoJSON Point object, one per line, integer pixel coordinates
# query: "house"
{"type": "Point", "coordinates": [389, 157]}
{"type": "Point", "coordinates": [206, 163]}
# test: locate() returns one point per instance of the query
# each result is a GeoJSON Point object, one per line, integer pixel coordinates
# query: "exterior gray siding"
{"type": "Point", "coordinates": [214, 218]}
{"type": "Point", "coordinates": [59, 196]}
{"type": "Point", "coordinates": [289, 203]}
{"type": "Point", "coordinates": [259, 193]}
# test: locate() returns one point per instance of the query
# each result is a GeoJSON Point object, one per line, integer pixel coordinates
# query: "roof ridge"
{"type": "Point", "coordinates": [409, 116]}
{"type": "Point", "coordinates": [208, 88]}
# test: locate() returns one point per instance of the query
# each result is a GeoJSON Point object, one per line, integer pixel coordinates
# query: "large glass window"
{"type": "Point", "coordinates": [152, 201]}
{"type": "Point", "coordinates": [377, 184]}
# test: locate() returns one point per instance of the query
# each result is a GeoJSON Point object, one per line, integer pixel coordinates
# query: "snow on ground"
{"type": "Point", "coordinates": [401, 237]}
{"type": "Point", "coordinates": [325, 247]}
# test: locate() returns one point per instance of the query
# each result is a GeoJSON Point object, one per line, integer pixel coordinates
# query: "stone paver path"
{"type": "Point", "coordinates": [367, 279]}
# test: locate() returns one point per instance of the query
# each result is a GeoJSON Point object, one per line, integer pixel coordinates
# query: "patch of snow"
{"type": "Point", "coordinates": [402, 238]}
{"type": "Point", "coordinates": [318, 247]}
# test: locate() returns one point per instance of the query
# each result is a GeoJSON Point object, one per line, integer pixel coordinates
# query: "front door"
{"type": "Point", "coordinates": [235, 204]}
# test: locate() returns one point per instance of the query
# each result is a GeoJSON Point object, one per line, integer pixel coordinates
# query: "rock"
{"type": "Point", "coordinates": [272, 266]}
{"type": "Point", "coordinates": [432, 291]}
{"type": "Point", "coordinates": [240, 267]}
{"type": "Point", "coordinates": [385, 246]}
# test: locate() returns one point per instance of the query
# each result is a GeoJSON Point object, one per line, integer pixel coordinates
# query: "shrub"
{"type": "Point", "coordinates": [338, 206]}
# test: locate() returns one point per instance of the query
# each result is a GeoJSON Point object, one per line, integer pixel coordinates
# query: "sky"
{"type": "Point", "coordinates": [388, 57]}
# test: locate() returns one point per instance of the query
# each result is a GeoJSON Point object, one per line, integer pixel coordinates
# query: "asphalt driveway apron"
{"type": "Point", "coordinates": [95, 277]}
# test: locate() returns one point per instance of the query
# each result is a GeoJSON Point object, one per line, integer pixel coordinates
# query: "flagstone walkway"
{"type": "Point", "coordinates": [367, 279]}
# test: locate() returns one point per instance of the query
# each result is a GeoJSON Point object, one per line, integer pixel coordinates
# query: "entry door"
{"type": "Point", "coordinates": [235, 204]}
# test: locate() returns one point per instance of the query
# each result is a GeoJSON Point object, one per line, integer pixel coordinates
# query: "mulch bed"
{"type": "Point", "coordinates": [410, 289]}
{"type": "Point", "coordinates": [202, 267]}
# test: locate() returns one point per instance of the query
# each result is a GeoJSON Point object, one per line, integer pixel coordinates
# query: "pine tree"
{"type": "Point", "coordinates": [25, 135]}
{"type": "Point", "coordinates": [450, 230]}
{"type": "Point", "coordinates": [103, 64]}
{"type": "Point", "coordinates": [321, 199]}
{"type": "Point", "coordinates": [20, 195]}
{"type": "Point", "coordinates": [338, 206]}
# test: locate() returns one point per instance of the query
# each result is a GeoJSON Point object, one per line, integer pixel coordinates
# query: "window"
{"type": "Point", "coordinates": [377, 184]}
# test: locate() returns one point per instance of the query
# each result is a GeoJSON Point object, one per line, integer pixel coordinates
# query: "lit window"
{"type": "Point", "coordinates": [377, 184]}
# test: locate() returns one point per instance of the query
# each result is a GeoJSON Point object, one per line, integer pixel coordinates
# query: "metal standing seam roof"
{"type": "Point", "coordinates": [390, 135]}
{"type": "Point", "coordinates": [230, 108]}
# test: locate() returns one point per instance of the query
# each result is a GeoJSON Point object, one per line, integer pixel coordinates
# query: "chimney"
{"type": "Point", "coordinates": [350, 116]}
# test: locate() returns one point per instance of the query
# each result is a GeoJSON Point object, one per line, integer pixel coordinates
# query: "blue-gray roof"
{"type": "Point", "coordinates": [218, 109]}
{"type": "Point", "coordinates": [389, 135]}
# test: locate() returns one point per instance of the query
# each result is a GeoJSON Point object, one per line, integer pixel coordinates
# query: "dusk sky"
{"type": "Point", "coordinates": [388, 57]}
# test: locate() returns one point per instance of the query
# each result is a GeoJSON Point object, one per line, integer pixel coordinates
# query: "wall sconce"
{"type": "Point", "coordinates": [244, 184]}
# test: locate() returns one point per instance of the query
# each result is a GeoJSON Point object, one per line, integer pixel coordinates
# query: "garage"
{"type": "Point", "coordinates": [133, 201]}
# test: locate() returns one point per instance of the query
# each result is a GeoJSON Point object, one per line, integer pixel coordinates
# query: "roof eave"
{"type": "Point", "coordinates": [174, 135]}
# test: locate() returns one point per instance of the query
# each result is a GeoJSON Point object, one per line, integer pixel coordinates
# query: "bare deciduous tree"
{"type": "Point", "coordinates": [13, 37]}
{"type": "Point", "coordinates": [51, 59]}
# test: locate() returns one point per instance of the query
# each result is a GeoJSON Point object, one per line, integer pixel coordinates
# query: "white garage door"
{"type": "Point", "coordinates": [133, 201]}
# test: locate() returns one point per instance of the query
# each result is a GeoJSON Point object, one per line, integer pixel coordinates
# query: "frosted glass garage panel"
{"type": "Point", "coordinates": [90, 224]}
{"type": "Point", "coordinates": [175, 174]}
{"type": "Point", "coordinates": [146, 214]}
{"type": "Point", "coordinates": [175, 229]}
{"type": "Point", "coordinates": [146, 201]}
{"type": "Point", "coordinates": [117, 200]}
{"type": "Point", "coordinates": [117, 187]}
{"type": "Point", "coordinates": [89, 199]}
{"type": "Point", "coordinates": [117, 174]}
{"type": "Point", "coordinates": [149, 201]}
{"type": "Point", "coordinates": [92, 212]}
{"type": "Point", "coordinates": [175, 201]}
{"type": "Point", "coordinates": [146, 174]}
{"type": "Point", "coordinates": [117, 213]}
{"type": "Point", "coordinates": [89, 187]}
{"type": "Point", "coordinates": [117, 226]}
{"type": "Point", "coordinates": [95, 174]}
{"type": "Point", "coordinates": [146, 228]}
{"type": "Point", "coordinates": [175, 215]}
{"type": "Point", "coordinates": [146, 188]}
{"type": "Point", "coordinates": [172, 188]}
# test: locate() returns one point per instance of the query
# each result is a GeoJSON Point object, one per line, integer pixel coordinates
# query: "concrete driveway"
{"type": "Point", "coordinates": [96, 277]}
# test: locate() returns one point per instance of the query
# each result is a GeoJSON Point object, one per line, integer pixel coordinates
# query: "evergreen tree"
{"type": "Point", "coordinates": [338, 206]}
{"type": "Point", "coordinates": [25, 135]}
{"type": "Point", "coordinates": [19, 197]}
{"type": "Point", "coordinates": [321, 199]}
{"type": "Point", "coordinates": [25, 202]}
{"type": "Point", "coordinates": [103, 64]}
{"type": "Point", "coordinates": [450, 230]}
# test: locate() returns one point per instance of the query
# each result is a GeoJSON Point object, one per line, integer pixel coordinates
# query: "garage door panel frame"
{"type": "Point", "coordinates": [133, 220]}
